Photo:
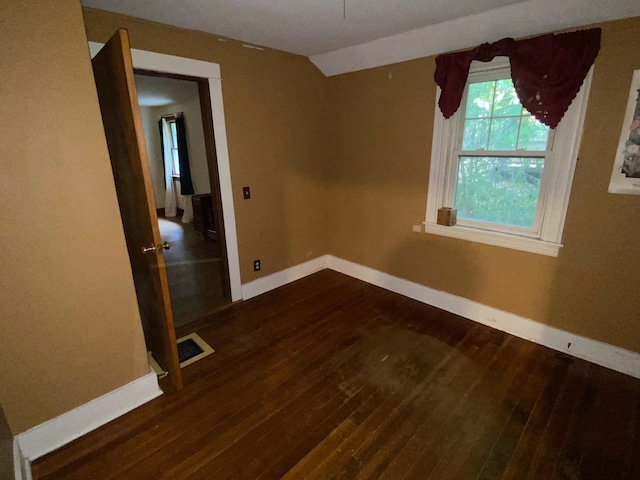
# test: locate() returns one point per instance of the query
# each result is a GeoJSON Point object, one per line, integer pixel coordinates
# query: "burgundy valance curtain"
{"type": "Point", "coordinates": [547, 71]}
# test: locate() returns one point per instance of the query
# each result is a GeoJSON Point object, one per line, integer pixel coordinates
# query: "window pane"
{"type": "Point", "coordinates": [507, 102]}
{"type": "Point", "coordinates": [174, 134]}
{"type": "Point", "coordinates": [479, 99]}
{"type": "Point", "coordinates": [176, 161]}
{"type": "Point", "coordinates": [533, 134]}
{"type": "Point", "coordinates": [504, 133]}
{"type": "Point", "coordinates": [499, 189]}
{"type": "Point", "coordinates": [476, 134]}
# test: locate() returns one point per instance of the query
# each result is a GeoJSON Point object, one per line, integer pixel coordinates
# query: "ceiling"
{"type": "Point", "coordinates": [305, 27]}
{"type": "Point", "coordinates": [160, 91]}
{"type": "Point", "coordinates": [342, 36]}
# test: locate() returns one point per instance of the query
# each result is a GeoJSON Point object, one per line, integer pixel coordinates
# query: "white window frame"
{"type": "Point", "coordinates": [546, 237]}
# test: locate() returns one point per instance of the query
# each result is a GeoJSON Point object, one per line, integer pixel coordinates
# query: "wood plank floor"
{"type": "Point", "coordinates": [331, 378]}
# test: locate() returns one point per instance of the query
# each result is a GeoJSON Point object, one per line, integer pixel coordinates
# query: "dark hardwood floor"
{"type": "Point", "coordinates": [331, 378]}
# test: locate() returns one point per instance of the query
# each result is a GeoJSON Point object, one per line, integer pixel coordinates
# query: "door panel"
{"type": "Point", "coordinates": [113, 71]}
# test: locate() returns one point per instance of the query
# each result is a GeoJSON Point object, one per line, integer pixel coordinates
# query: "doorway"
{"type": "Point", "coordinates": [210, 87]}
{"type": "Point", "coordinates": [188, 217]}
{"type": "Point", "coordinates": [113, 66]}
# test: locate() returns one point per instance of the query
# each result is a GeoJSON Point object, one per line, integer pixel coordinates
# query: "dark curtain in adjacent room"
{"type": "Point", "coordinates": [186, 185]}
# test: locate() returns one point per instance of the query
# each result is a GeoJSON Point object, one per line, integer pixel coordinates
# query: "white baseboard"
{"type": "Point", "coordinates": [278, 279]}
{"type": "Point", "coordinates": [50, 435]}
{"type": "Point", "coordinates": [593, 351]}
{"type": "Point", "coordinates": [600, 353]}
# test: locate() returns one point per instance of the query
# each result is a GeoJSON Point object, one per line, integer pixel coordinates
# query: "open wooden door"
{"type": "Point", "coordinates": [113, 71]}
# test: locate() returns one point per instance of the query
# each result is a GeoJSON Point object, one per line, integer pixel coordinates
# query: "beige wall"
{"type": "Point", "coordinates": [69, 324]}
{"type": "Point", "coordinates": [379, 166]}
{"type": "Point", "coordinates": [152, 141]}
{"type": "Point", "coordinates": [276, 112]}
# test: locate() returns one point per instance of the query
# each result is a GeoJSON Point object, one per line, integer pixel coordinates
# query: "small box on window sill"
{"type": "Point", "coordinates": [447, 216]}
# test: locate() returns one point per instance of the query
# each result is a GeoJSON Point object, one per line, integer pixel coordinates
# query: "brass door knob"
{"type": "Point", "coordinates": [156, 248]}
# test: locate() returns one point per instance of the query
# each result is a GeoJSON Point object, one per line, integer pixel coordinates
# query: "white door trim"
{"type": "Point", "coordinates": [159, 62]}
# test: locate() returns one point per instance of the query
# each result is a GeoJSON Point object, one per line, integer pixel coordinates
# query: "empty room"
{"type": "Point", "coordinates": [386, 240]}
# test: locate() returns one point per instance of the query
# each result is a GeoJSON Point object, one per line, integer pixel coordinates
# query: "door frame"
{"type": "Point", "coordinates": [170, 64]}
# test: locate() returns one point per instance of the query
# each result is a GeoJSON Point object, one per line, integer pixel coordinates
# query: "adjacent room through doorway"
{"type": "Point", "coordinates": [182, 186]}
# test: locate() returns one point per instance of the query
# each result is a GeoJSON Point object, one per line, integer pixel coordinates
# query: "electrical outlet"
{"type": "Point", "coordinates": [256, 265]}
{"type": "Point", "coordinates": [246, 193]}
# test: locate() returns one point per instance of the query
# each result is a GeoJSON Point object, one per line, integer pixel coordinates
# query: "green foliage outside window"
{"type": "Point", "coordinates": [499, 189]}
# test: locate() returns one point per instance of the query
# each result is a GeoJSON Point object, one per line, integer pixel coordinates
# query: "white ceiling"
{"type": "Point", "coordinates": [519, 20]}
{"type": "Point", "coordinates": [160, 91]}
{"type": "Point", "coordinates": [305, 27]}
{"type": "Point", "coordinates": [374, 32]}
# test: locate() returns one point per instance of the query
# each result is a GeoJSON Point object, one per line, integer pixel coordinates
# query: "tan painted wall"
{"type": "Point", "coordinates": [152, 141]}
{"type": "Point", "coordinates": [276, 112]}
{"type": "Point", "coordinates": [383, 120]}
{"type": "Point", "coordinates": [69, 324]}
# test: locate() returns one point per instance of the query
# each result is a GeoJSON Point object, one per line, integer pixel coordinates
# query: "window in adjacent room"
{"type": "Point", "coordinates": [508, 175]}
{"type": "Point", "coordinates": [174, 148]}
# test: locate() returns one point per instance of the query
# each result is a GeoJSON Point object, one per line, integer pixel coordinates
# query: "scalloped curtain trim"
{"type": "Point", "coordinates": [547, 71]}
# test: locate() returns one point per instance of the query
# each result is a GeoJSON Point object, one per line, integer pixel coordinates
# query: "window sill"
{"type": "Point", "coordinates": [494, 238]}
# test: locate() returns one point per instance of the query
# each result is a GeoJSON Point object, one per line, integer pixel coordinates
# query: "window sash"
{"type": "Point", "coordinates": [175, 161]}
{"type": "Point", "coordinates": [175, 155]}
{"type": "Point", "coordinates": [498, 69]}
{"type": "Point", "coordinates": [493, 74]}
{"type": "Point", "coordinates": [535, 230]}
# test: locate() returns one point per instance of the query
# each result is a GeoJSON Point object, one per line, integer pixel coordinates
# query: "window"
{"type": "Point", "coordinates": [508, 175]}
{"type": "Point", "coordinates": [174, 148]}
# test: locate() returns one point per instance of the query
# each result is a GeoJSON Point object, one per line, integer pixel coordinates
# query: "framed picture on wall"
{"type": "Point", "coordinates": [625, 177]}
